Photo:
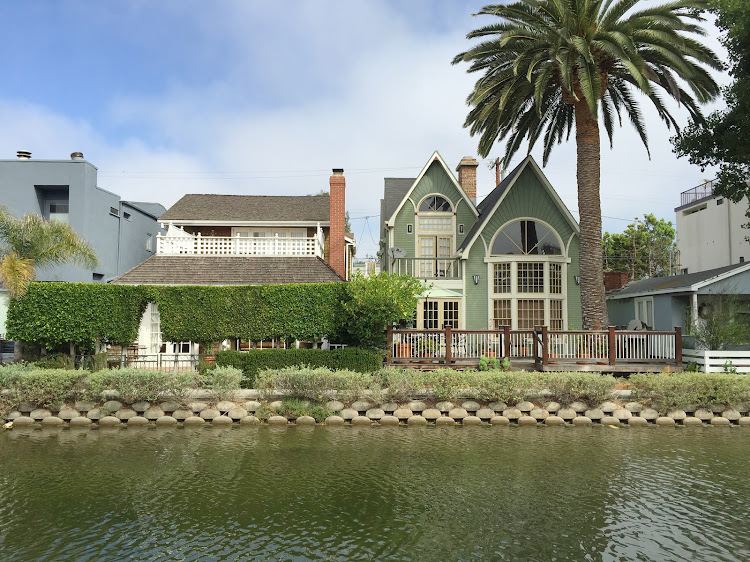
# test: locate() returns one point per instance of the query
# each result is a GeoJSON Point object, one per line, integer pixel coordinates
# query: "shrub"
{"type": "Point", "coordinates": [224, 382]}
{"type": "Point", "coordinates": [304, 382]}
{"type": "Point", "coordinates": [138, 384]}
{"type": "Point", "coordinates": [295, 408]}
{"type": "Point", "coordinates": [57, 361]}
{"type": "Point", "coordinates": [42, 387]}
{"type": "Point", "coordinates": [592, 388]}
{"type": "Point", "coordinates": [255, 360]}
{"type": "Point", "coordinates": [669, 391]}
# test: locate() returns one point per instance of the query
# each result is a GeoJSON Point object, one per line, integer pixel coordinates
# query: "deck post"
{"type": "Point", "coordinates": [389, 343]}
{"type": "Point", "coordinates": [506, 341]}
{"type": "Point", "coordinates": [611, 345]}
{"type": "Point", "coordinates": [545, 349]}
{"type": "Point", "coordinates": [448, 358]}
{"type": "Point", "coordinates": [678, 345]}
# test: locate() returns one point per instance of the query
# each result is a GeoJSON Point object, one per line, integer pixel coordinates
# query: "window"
{"type": "Point", "coordinates": [460, 229]}
{"type": "Point", "coordinates": [644, 310]}
{"type": "Point", "coordinates": [409, 228]}
{"type": "Point", "coordinates": [502, 277]}
{"type": "Point", "coordinates": [526, 237]}
{"type": "Point", "coordinates": [57, 211]}
{"type": "Point", "coordinates": [720, 201]}
{"type": "Point", "coordinates": [530, 277]}
{"type": "Point", "coordinates": [97, 277]}
{"type": "Point", "coordinates": [126, 216]}
{"type": "Point", "coordinates": [556, 315]}
{"type": "Point", "coordinates": [435, 223]}
{"type": "Point", "coordinates": [436, 314]}
{"type": "Point", "coordinates": [149, 243]}
{"type": "Point", "coordinates": [501, 313]}
{"type": "Point", "coordinates": [435, 203]}
{"type": "Point", "coordinates": [555, 278]}
{"type": "Point", "coordinates": [530, 313]}
{"type": "Point", "coordinates": [114, 211]}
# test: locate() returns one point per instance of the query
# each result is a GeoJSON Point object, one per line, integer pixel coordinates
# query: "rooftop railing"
{"type": "Point", "coordinates": [702, 191]}
{"type": "Point", "coordinates": [199, 245]}
{"type": "Point", "coordinates": [428, 268]}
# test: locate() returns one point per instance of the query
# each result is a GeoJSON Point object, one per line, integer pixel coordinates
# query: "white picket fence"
{"type": "Point", "coordinates": [710, 361]}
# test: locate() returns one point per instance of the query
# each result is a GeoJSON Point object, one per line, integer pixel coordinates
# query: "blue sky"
{"type": "Point", "coordinates": [174, 97]}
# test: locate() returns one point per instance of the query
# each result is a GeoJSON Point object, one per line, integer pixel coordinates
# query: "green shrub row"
{"type": "Point", "coordinates": [307, 383]}
{"type": "Point", "coordinates": [668, 391]}
{"type": "Point", "coordinates": [253, 361]}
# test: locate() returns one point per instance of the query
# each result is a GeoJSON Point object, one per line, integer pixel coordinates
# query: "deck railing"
{"type": "Point", "coordinates": [428, 268]}
{"type": "Point", "coordinates": [706, 189]}
{"type": "Point", "coordinates": [604, 347]}
{"type": "Point", "coordinates": [199, 245]}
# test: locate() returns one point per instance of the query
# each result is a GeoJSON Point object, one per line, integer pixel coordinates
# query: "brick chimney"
{"type": "Point", "coordinates": [337, 243]}
{"type": "Point", "coordinates": [467, 176]}
{"type": "Point", "coordinates": [615, 280]}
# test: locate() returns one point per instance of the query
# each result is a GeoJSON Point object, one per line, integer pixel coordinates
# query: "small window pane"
{"type": "Point", "coordinates": [530, 314]}
{"type": "Point", "coordinates": [450, 314]}
{"type": "Point", "coordinates": [430, 315]}
{"type": "Point", "coordinates": [556, 315]}
{"type": "Point", "coordinates": [435, 223]}
{"type": "Point", "coordinates": [435, 203]}
{"type": "Point", "coordinates": [530, 277]}
{"type": "Point", "coordinates": [528, 238]}
{"type": "Point", "coordinates": [501, 316]}
{"type": "Point", "coordinates": [555, 278]}
{"type": "Point", "coordinates": [502, 278]}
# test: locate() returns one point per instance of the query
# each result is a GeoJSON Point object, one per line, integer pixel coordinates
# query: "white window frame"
{"type": "Point", "coordinates": [440, 312]}
{"type": "Point", "coordinates": [514, 295]}
{"type": "Point", "coordinates": [420, 232]}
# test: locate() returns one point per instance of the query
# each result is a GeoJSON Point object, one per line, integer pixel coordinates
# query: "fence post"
{"type": "Point", "coordinates": [448, 357]}
{"type": "Point", "coordinates": [545, 349]}
{"type": "Point", "coordinates": [506, 341]}
{"type": "Point", "coordinates": [611, 345]}
{"type": "Point", "coordinates": [389, 343]}
{"type": "Point", "coordinates": [678, 345]}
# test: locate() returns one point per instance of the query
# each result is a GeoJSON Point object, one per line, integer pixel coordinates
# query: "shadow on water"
{"type": "Point", "coordinates": [375, 493]}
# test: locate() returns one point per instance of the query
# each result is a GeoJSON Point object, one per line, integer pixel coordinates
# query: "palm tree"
{"type": "Point", "coordinates": [32, 242]}
{"type": "Point", "coordinates": [552, 64]}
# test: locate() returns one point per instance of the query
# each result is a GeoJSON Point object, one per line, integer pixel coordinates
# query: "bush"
{"type": "Point", "coordinates": [255, 360]}
{"type": "Point", "coordinates": [41, 387]}
{"type": "Point", "coordinates": [295, 408]}
{"type": "Point", "coordinates": [670, 391]}
{"type": "Point", "coordinates": [224, 382]}
{"type": "Point", "coordinates": [592, 388]}
{"type": "Point", "coordinates": [304, 382]}
{"type": "Point", "coordinates": [139, 384]}
{"type": "Point", "coordinates": [58, 361]}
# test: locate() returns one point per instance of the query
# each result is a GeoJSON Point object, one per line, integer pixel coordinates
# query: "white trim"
{"type": "Point", "coordinates": [279, 224]}
{"type": "Point", "coordinates": [720, 277]}
{"type": "Point", "coordinates": [646, 301]}
{"type": "Point", "coordinates": [545, 183]}
{"type": "Point", "coordinates": [518, 219]}
{"type": "Point", "coordinates": [390, 221]}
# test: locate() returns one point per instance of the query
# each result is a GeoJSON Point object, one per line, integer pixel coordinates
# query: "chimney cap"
{"type": "Point", "coordinates": [338, 171]}
{"type": "Point", "coordinates": [467, 161]}
{"type": "Point", "coordinates": [23, 154]}
{"type": "Point", "coordinates": [76, 155]}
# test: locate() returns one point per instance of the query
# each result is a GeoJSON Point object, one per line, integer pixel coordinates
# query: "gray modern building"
{"type": "Point", "coordinates": [122, 233]}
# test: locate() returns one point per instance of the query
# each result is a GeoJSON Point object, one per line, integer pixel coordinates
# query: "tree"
{"type": "Point", "coordinates": [31, 243]}
{"type": "Point", "coordinates": [645, 249]}
{"type": "Point", "coordinates": [377, 301]}
{"type": "Point", "coordinates": [551, 65]}
{"type": "Point", "coordinates": [720, 323]}
{"type": "Point", "coordinates": [722, 139]}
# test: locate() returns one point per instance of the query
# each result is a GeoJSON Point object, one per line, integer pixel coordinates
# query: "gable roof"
{"type": "Point", "coordinates": [152, 209]}
{"type": "Point", "coordinates": [688, 282]}
{"type": "Point", "coordinates": [394, 192]}
{"type": "Point", "coordinates": [489, 204]}
{"type": "Point", "coordinates": [228, 270]}
{"type": "Point", "coordinates": [434, 158]}
{"type": "Point", "coordinates": [313, 208]}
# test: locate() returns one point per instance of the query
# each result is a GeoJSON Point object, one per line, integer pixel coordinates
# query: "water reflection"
{"type": "Point", "coordinates": [375, 493]}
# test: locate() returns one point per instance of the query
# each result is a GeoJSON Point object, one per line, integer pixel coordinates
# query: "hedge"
{"type": "Point", "coordinates": [253, 361]}
{"type": "Point", "coordinates": [54, 314]}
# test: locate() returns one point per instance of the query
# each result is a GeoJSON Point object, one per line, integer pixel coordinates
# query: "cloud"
{"type": "Point", "coordinates": [275, 99]}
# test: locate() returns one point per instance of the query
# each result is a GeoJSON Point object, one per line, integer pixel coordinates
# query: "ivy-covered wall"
{"type": "Point", "coordinates": [54, 314]}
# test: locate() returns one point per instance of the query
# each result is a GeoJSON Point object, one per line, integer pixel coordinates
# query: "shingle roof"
{"type": "Point", "coordinates": [488, 203]}
{"type": "Point", "coordinates": [672, 283]}
{"type": "Point", "coordinates": [250, 208]}
{"type": "Point", "coordinates": [394, 192]}
{"type": "Point", "coordinates": [228, 270]}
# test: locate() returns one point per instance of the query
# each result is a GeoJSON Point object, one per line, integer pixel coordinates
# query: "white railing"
{"type": "Point", "coordinates": [239, 246]}
{"type": "Point", "coordinates": [522, 344]}
{"type": "Point", "coordinates": [710, 361]}
{"type": "Point", "coordinates": [471, 345]}
{"type": "Point", "coordinates": [419, 345]}
{"type": "Point", "coordinates": [578, 345]}
{"type": "Point", "coordinates": [645, 346]}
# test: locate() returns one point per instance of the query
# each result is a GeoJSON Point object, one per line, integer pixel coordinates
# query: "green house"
{"type": "Point", "coordinates": [511, 260]}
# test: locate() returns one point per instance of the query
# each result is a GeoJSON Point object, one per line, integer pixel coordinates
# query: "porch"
{"type": "Point", "coordinates": [541, 349]}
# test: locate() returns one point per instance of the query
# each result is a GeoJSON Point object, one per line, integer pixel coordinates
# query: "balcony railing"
{"type": "Point", "coordinates": [428, 268]}
{"type": "Point", "coordinates": [706, 189]}
{"type": "Point", "coordinates": [189, 245]}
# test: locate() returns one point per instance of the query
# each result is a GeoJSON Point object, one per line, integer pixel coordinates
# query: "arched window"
{"type": "Point", "coordinates": [528, 272]}
{"type": "Point", "coordinates": [526, 237]}
{"type": "Point", "coordinates": [435, 203]}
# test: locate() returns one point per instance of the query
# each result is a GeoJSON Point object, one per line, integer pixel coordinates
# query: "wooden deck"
{"type": "Point", "coordinates": [604, 351]}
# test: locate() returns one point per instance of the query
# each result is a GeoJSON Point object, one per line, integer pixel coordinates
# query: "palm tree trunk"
{"type": "Point", "coordinates": [593, 303]}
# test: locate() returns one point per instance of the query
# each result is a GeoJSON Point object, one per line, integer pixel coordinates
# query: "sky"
{"type": "Point", "coordinates": [265, 98]}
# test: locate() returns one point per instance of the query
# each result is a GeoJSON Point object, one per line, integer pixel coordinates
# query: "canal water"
{"type": "Point", "coordinates": [493, 493]}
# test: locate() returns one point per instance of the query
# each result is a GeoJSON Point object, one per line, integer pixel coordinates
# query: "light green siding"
{"type": "Point", "coordinates": [401, 238]}
{"type": "Point", "coordinates": [466, 217]}
{"type": "Point", "coordinates": [477, 315]}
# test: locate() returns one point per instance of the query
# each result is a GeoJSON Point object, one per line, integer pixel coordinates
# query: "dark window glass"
{"type": "Point", "coordinates": [526, 237]}
{"type": "Point", "coordinates": [435, 203]}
